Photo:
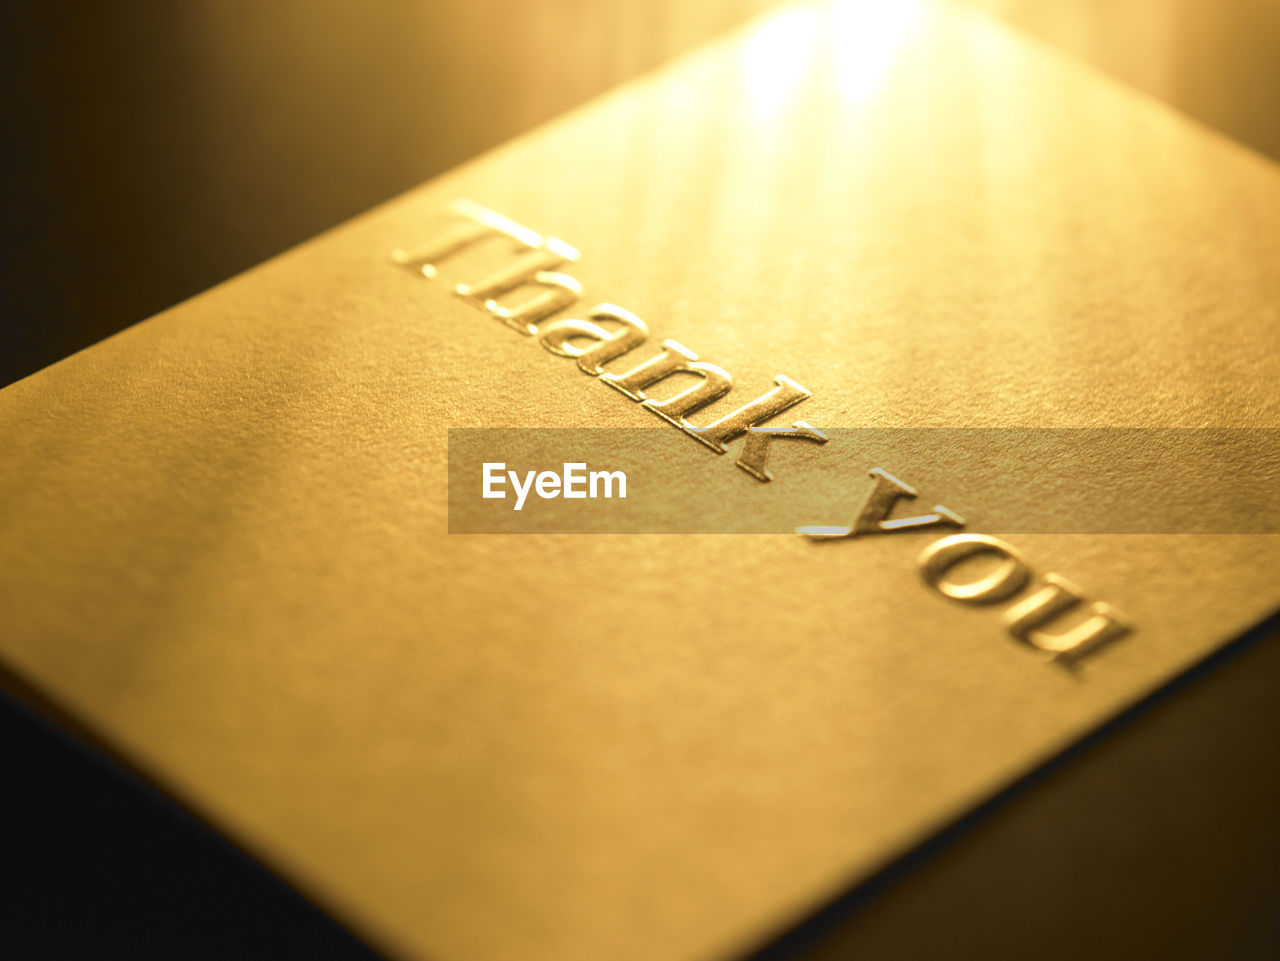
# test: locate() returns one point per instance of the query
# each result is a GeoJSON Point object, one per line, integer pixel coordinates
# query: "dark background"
{"type": "Point", "coordinates": [149, 150]}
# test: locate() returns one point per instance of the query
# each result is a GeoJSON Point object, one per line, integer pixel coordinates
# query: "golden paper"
{"type": "Point", "coordinates": [226, 548]}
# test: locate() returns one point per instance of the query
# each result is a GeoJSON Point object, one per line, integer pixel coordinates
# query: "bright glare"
{"type": "Point", "coordinates": [868, 35]}
{"type": "Point", "coordinates": [861, 38]}
{"type": "Point", "coordinates": [776, 55]}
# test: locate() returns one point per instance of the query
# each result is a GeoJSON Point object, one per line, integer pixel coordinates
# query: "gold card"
{"type": "Point", "coordinates": [229, 551]}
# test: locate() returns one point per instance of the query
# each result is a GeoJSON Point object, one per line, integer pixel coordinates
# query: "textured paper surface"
{"type": "Point", "coordinates": [225, 543]}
